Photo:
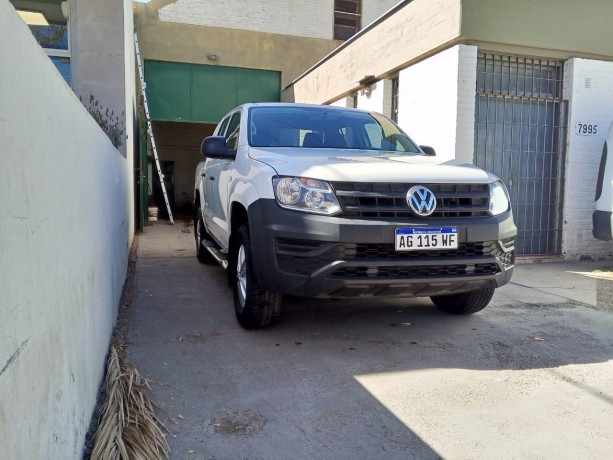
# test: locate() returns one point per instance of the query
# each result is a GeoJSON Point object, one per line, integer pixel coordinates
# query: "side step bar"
{"type": "Point", "coordinates": [220, 257]}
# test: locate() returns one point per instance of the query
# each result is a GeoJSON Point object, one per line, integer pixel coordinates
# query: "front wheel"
{"type": "Point", "coordinates": [464, 303]}
{"type": "Point", "coordinates": [255, 307]}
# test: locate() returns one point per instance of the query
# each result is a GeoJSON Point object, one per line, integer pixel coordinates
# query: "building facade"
{"type": "Point", "coordinates": [522, 89]}
{"type": "Point", "coordinates": [204, 57]}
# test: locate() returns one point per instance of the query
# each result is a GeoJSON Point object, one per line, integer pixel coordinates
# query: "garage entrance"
{"type": "Point", "coordinates": [186, 101]}
{"type": "Point", "coordinates": [520, 135]}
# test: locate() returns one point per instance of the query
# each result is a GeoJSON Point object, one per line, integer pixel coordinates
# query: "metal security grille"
{"type": "Point", "coordinates": [520, 132]}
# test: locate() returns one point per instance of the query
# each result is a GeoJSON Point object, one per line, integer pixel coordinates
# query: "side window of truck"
{"type": "Point", "coordinates": [222, 127]}
{"type": "Point", "coordinates": [233, 131]}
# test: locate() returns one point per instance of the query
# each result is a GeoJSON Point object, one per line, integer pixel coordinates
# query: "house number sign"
{"type": "Point", "coordinates": [586, 129]}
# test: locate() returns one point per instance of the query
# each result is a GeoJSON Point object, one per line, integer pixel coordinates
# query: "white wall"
{"type": "Point", "coordinates": [379, 99]}
{"type": "Point", "coordinates": [131, 113]}
{"type": "Point", "coordinates": [436, 102]}
{"type": "Point", "coordinates": [303, 18]}
{"type": "Point", "coordinates": [64, 232]}
{"type": "Point", "coordinates": [372, 99]}
{"type": "Point", "coordinates": [588, 86]}
{"type": "Point", "coordinates": [343, 102]}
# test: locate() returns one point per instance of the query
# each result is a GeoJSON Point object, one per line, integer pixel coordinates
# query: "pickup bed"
{"type": "Point", "coordinates": [330, 202]}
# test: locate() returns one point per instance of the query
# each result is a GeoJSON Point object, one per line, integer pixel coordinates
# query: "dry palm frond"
{"type": "Point", "coordinates": [129, 428]}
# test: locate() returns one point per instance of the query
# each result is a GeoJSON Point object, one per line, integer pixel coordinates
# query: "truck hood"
{"type": "Point", "coordinates": [368, 166]}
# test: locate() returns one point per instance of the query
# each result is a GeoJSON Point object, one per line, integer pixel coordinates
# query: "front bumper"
{"type": "Point", "coordinates": [320, 256]}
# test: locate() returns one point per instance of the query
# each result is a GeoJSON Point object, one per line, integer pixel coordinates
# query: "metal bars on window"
{"type": "Point", "coordinates": [520, 133]}
{"type": "Point", "coordinates": [347, 18]}
{"type": "Point", "coordinates": [519, 76]}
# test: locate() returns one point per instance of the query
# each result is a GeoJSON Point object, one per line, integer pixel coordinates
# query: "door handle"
{"type": "Point", "coordinates": [211, 178]}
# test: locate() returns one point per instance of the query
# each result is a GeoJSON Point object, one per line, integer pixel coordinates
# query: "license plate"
{"type": "Point", "coordinates": [416, 239]}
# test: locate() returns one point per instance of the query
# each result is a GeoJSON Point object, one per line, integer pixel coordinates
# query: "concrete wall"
{"type": "Point", "coordinates": [96, 30]}
{"type": "Point", "coordinates": [558, 29]}
{"type": "Point", "coordinates": [132, 147]}
{"type": "Point", "coordinates": [420, 28]}
{"type": "Point", "coordinates": [64, 236]}
{"type": "Point", "coordinates": [303, 18]}
{"type": "Point", "coordinates": [436, 103]}
{"type": "Point", "coordinates": [589, 88]}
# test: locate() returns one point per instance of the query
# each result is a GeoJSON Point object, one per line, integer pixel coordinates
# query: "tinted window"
{"type": "Point", "coordinates": [322, 127]}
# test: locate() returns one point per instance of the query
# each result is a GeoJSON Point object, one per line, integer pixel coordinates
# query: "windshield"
{"type": "Point", "coordinates": [322, 127]}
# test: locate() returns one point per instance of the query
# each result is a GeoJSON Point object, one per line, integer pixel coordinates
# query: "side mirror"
{"type": "Point", "coordinates": [216, 147]}
{"type": "Point", "coordinates": [428, 150]}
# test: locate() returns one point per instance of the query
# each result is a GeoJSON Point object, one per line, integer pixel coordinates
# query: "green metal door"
{"type": "Point", "coordinates": [202, 93]}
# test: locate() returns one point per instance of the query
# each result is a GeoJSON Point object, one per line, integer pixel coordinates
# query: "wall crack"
{"type": "Point", "coordinates": [14, 356]}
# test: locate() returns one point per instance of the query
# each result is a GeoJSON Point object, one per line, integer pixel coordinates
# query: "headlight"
{"type": "Point", "coordinates": [499, 198]}
{"type": "Point", "coordinates": [304, 194]}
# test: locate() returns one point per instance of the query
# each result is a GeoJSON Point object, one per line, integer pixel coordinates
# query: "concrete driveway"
{"type": "Point", "coordinates": [529, 377]}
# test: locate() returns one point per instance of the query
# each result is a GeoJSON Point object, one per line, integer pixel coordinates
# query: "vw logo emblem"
{"type": "Point", "coordinates": [421, 200]}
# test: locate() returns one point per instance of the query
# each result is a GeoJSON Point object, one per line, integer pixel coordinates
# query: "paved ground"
{"type": "Point", "coordinates": [529, 377]}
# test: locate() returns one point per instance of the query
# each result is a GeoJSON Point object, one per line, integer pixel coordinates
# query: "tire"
{"type": "Point", "coordinates": [464, 303]}
{"type": "Point", "coordinates": [200, 233]}
{"type": "Point", "coordinates": [255, 307]}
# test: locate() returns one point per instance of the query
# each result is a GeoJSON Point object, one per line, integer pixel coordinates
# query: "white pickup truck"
{"type": "Point", "coordinates": [330, 202]}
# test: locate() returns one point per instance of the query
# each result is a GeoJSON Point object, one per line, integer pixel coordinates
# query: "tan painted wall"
{"type": "Point", "coordinates": [557, 29]}
{"type": "Point", "coordinates": [168, 41]}
{"type": "Point", "coordinates": [416, 30]}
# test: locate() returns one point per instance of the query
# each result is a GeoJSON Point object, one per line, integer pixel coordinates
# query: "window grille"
{"type": "Point", "coordinates": [347, 18]}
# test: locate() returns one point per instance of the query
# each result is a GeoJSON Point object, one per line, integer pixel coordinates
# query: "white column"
{"type": "Point", "coordinates": [588, 86]}
{"type": "Point", "coordinates": [436, 102]}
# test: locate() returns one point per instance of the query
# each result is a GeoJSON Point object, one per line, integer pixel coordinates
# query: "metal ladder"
{"type": "Point", "coordinates": [143, 86]}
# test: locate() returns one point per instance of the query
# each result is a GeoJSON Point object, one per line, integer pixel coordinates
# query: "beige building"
{"type": "Point", "coordinates": [523, 89]}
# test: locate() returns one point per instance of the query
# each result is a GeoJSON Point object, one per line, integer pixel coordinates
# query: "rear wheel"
{"type": "Point", "coordinates": [204, 256]}
{"type": "Point", "coordinates": [255, 307]}
{"type": "Point", "coordinates": [464, 303]}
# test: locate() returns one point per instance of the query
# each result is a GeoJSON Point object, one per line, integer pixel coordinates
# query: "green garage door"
{"type": "Point", "coordinates": [203, 93]}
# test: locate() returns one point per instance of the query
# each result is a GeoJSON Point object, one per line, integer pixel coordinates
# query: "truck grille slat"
{"type": "Point", "coordinates": [388, 200]}
{"type": "Point", "coordinates": [424, 271]}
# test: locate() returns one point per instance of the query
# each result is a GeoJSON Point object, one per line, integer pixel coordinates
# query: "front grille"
{"type": "Point", "coordinates": [389, 200]}
{"type": "Point", "coordinates": [305, 257]}
{"type": "Point", "coordinates": [425, 271]}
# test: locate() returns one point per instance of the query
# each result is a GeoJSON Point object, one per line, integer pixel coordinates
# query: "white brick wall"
{"type": "Point", "coordinates": [372, 100]}
{"type": "Point", "coordinates": [343, 102]}
{"type": "Point", "coordinates": [436, 104]}
{"type": "Point", "coordinates": [588, 86]}
{"type": "Point", "coordinates": [303, 18]}
{"type": "Point", "coordinates": [372, 9]}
